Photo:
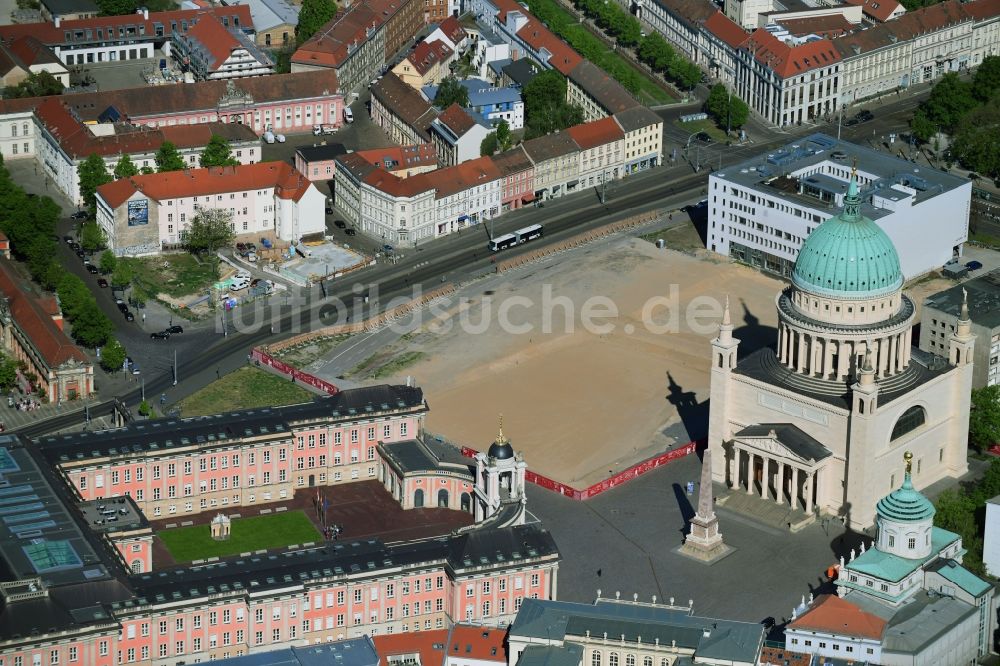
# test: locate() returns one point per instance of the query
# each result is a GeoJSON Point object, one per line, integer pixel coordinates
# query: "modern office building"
{"type": "Point", "coordinates": [761, 211]}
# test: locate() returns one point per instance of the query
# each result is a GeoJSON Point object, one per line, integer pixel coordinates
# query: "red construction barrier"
{"type": "Point", "coordinates": [632, 472]}
{"type": "Point", "coordinates": [262, 358]}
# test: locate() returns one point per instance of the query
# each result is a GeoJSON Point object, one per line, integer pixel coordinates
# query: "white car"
{"type": "Point", "coordinates": [317, 130]}
{"type": "Point", "coordinates": [251, 257]}
{"type": "Point", "coordinates": [239, 285]}
{"type": "Point", "coordinates": [280, 138]}
{"type": "Point", "coordinates": [242, 274]}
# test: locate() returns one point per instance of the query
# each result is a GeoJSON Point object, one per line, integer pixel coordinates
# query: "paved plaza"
{"type": "Point", "coordinates": [625, 539]}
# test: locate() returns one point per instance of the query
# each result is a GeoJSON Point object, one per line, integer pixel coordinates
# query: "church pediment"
{"type": "Point", "coordinates": [784, 439]}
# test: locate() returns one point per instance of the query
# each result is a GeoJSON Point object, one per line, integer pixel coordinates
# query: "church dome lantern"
{"type": "Point", "coordinates": [905, 518]}
{"type": "Point", "coordinates": [501, 449]}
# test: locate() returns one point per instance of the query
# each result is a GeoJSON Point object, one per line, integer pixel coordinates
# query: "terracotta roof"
{"type": "Point", "coordinates": [401, 157]}
{"type": "Point", "coordinates": [404, 102]}
{"type": "Point", "coordinates": [456, 119]}
{"type": "Point", "coordinates": [453, 29]}
{"type": "Point", "coordinates": [788, 61]}
{"type": "Point", "coordinates": [693, 12]}
{"type": "Point", "coordinates": [428, 645]}
{"type": "Point", "coordinates": [51, 342]}
{"type": "Point", "coordinates": [8, 62]}
{"type": "Point", "coordinates": [329, 46]}
{"type": "Point", "coordinates": [880, 10]}
{"type": "Point", "coordinates": [726, 29]}
{"type": "Point", "coordinates": [596, 133]}
{"type": "Point", "coordinates": [608, 93]}
{"type": "Point", "coordinates": [356, 165]}
{"type": "Point", "coordinates": [477, 643]}
{"type": "Point", "coordinates": [51, 35]}
{"type": "Point", "coordinates": [30, 51]}
{"type": "Point", "coordinates": [830, 613]}
{"type": "Point", "coordinates": [831, 26]}
{"type": "Point", "coordinates": [504, 6]}
{"type": "Point", "coordinates": [983, 9]}
{"type": "Point", "coordinates": [78, 142]}
{"type": "Point", "coordinates": [912, 24]}
{"type": "Point", "coordinates": [286, 181]}
{"type": "Point", "coordinates": [549, 146]}
{"type": "Point", "coordinates": [512, 161]}
{"type": "Point", "coordinates": [427, 55]}
{"type": "Point", "coordinates": [215, 39]}
{"type": "Point", "coordinates": [539, 38]}
{"type": "Point", "coordinates": [464, 176]}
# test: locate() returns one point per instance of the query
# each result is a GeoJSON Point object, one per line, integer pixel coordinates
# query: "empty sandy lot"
{"type": "Point", "coordinates": [582, 401]}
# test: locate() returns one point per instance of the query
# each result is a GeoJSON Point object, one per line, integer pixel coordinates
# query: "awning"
{"type": "Point", "coordinates": [462, 218]}
{"type": "Point", "coordinates": [572, 183]}
{"type": "Point", "coordinates": [528, 198]}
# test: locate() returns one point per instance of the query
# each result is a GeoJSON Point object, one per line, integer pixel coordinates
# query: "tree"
{"type": "Point", "coordinates": [922, 127]}
{"type": "Point", "coordinates": [656, 52]}
{"type": "Point", "coordinates": [210, 230]}
{"type": "Point", "coordinates": [488, 146]}
{"type": "Point", "coordinates": [984, 419]}
{"type": "Point", "coordinates": [218, 153]}
{"type": "Point", "coordinates": [117, 7]}
{"type": "Point", "coordinates": [986, 81]}
{"type": "Point", "coordinates": [975, 142]}
{"type": "Point", "coordinates": [727, 110]}
{"type": "Point", "coordinates": [8, 373]}
{"type": "Point", "coordinates": [113, 356]}
{"type": "Point", "coordinates": [92, 173]}
{"type": "Point", "coordinates": [168, 159]}
{"type": "Point", "coordinates": [545, 105]}
{"type": "Point", "coordinates": [37, 84]}
{"type": "Point", "coordinates": [91, 327]}
{"type": "Point", "coordinates": [451, 91]}
{"type": "Point", "coordinates": [125, 168]}
{"type": "Point", "coordinates": [147, 170]}
{"type": "Point", "coordinates": [684, 73]}
{"type": "Point", "coordinates": [313, 16]}
{"type": "Point", "coordinates": [505, 141]}
{"type": "Point", "coordinates": [949, 100]}
{"type": "Point", "coordinates": [92, 237]}
{"type": "Point", "coordinates": [122, 275]}
{"type": "Point", "coordinates": [108, 262]}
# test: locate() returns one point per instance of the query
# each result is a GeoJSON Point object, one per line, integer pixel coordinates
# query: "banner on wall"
{"type": "Point", "coordinates": [138, 212]}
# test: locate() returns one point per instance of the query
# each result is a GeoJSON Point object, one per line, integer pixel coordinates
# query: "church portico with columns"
{"type": "Point", "coordinates": [812, 421]}
{"type": "Point", "coordinates": [780, 463]}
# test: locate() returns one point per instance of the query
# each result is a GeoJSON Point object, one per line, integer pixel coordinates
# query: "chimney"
{"type": "Point", "coordinates": [57, 21]}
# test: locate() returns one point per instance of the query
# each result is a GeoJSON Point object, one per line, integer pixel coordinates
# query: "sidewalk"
{"type": "Point", "coordinates": [12, 418]}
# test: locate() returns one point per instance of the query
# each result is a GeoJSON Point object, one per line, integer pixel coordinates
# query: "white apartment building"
{"type": "Point", "coordinates": [18, 132]}
{"type": "Point", "coordinates": [143, 214]}
{"type": "Point", "coordinates": [761, 211]}
{"type": "Point", "coordinates": [210, 51]}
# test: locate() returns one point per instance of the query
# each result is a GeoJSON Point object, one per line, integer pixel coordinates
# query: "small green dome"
{"type": "Point", "coordinates": [905, 504]}
{"type": "Point", "coordinates": [848, 255]}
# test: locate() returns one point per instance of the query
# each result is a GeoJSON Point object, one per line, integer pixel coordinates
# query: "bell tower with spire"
{"type": "Point", "coordinates": [724, 350]}
{"type": "Point", "coordinates": [499, 478]}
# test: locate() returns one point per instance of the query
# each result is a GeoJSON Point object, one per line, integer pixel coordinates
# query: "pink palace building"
{"type": "Point", "coordinates": [76, 545]}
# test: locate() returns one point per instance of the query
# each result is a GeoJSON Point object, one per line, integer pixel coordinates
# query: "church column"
{"type": "Point", "coordinates": [780, 485]}
{"type": "Point", "coordinates": [803, 350]}
{"type": "Point", "coordinates": [807, 492]}
{"type": "Point", "coordinates": [765, 468]}
{"type": "Point", "coordinates": [751, 471]}
{"type": "Point", "coordinates": [907, 346]}
{"type": "Point", "coordinates": [781, 343]}
{"type": "Point", "coordinates": [790, 344]}
{"type": "Point", "coordinates": [843, 358]}
{"type": "Point", "coordinates": [828, 368]}
{"type": "Point", "coordinates": [733, 462]}
{"type": "Point", "coordinates": [893, 352]}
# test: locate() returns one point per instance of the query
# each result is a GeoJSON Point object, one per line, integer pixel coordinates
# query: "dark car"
{"type": "Point", "coordinates": [91, 268]}
{"type": "Point", "coordinates": [703, 137]}
{"type": "Point", "coordinates": [69, 240]}
{"type": "Point", "coordinates": [161, 335]}
{"type": "Point", "coordinates": [973, 265]}
{"type": "Point", "coordinates": [174, 329]}
{"type": "Point", "coordinates": [129, 316]}
{"type": "Point", "coordinates": [122, 307]}
{"type": "Point", "coordinates": [387, 249]}
{"type": "Point", "coordinates": [80, 253]}
{"type": "Point", "coordinates": [974, 176]}
{"type": "Point", "coordinates": [79, 215]}
{"type": "Point", "coordinates": [340, 224]}
{"type": "Point", "coordinates": [350, 232]}
{"type": "Point", "coordinates": [329, 210]}
{"type": "Point", "coordinates": [102, 283]}
{"type": "Point", "coordinates": [865, 116]}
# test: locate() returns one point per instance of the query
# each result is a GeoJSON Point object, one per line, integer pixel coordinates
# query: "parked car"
{"type": "Point", "coordinates": [69, 240]}
{"type": "Point", "coordinates": [340, 224]}
{"type": "Point", "coordinates": [91, 268]}
{"type": "Point", "coordinates": [865, 116]}
{"type": "Point", "coordinates": [175, 329]}
{"type": "Point", "coordinates": [80, 253]}
{"type": "Point", "coordinates": [973, 265]}
{"type": "Point", "coordinates": [79, 215]}
{"type": "Point", "coordinates": [241, 248]}
{"type": "Point", "coordinates": [102, 283]}
{"type": "Point", "coordinates": [129, 316]}
{"type": "Point", "coordinates": [251, 257]}
{"type": "Point", "coordinates": [348, 114]}
{"type": "Point", "coordinates": [280, 138]}
{"type": "Point", "coordinates": [387, 249]}
{"type": "Point", "coordinates": [350, 232]}
{"type": "Point", "coordinates": [239, 285]}
{"type": "Point", "coordinates": [160, 335]}
{"type": "Point", "coordinates": [329, 209]}
{"type": "Point", "coordinates": [317, 130]}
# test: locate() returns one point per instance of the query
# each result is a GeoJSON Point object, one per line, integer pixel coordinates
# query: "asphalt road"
{"type": "Point", "coordinates": [208, 353]}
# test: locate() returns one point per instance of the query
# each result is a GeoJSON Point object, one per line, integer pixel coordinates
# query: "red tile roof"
{"type": "Point", "coordinates": [453, 29]}
{"type": "Point", "coordinates": [30, 315]}
{"type": "Point", "coordinates": [456, 119]}
{"type": "Point", "coordinates": [287, 182]}
{"type": "Point", "coordinates": [464, 176]}
{"type": "Point", "coordinates": [539, 38]}
{"type": "Point", "coordinates": [427, 646]}
{"type": "Point", "coordinates": [400, 157]}
{"type": "Point", "coordinates": [726, 29]}
{"type": "Point", "coordinates": [880, 10]}
{"type": "Point", "coordinates": [427, 55]}
{"type": "Point", "coordinates": [215, 39]}
{"type": "Point", "coordinates": [30, 51]}
{"type": "Point", "coordinates": [477, 643]}
{"type": "Point", "coordinates": [50, 35]}
{"type": "Point", "coordinates": [830, 613]}
{"type": "Point", "coordinates": [788, 61]}
{"type": "Point", "coordinates": [329, 46]}
{"type": "Point", "coordinates": [77, 141]}
{"type": "Point", "coordinates": [983, 9]}
{"type": "Point", "coordinates": [596, 133]}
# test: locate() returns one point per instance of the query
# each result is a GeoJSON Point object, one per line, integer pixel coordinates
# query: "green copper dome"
{"type": "Point", "coordinates": [848, 255]}
{"type": "Point", "coordinates": [905, 504]}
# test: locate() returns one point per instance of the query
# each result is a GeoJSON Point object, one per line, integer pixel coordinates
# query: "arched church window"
{"type": "Point", "coordinates": [612, 659]}
{"type": "Point", "coordinates": [630, 660]}
{"type": "Point", "coordinates": [137, 566]}
{"type": "Point", "coordinates": [595, 658]}
{"type": "Point", "coordinates": [912, 418]}
{"type": "Point", "coordinates": [647, 661]}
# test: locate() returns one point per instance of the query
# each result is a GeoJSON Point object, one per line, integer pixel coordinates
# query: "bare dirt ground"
{"type": "Point", "coordinates": [583, 404]}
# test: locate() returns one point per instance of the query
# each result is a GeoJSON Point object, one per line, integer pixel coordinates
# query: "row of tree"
{"type": "Point", "coordinates": [661, 57]}
{"type": "Point", "coordinates": [30, 224]}
{"type": "Point", "coordinates": [726, 110]}
{"type": "Point", "coordinates": [968, 111]}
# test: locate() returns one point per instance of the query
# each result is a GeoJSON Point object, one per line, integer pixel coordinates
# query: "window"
{"type": "Point", "coordinates": [892, 541]}
{"type": "Point", "coordinates": [912, 418]}
{"type": "Point", "coordinates": [911, 543]}
{"type": "Point", "coordinates": [612, 659]}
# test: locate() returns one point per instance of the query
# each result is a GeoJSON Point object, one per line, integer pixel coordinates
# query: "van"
{"type": "Point", "coordinates": [268, 137]}
{"type": "Point", "coordinates": [348, 115]}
